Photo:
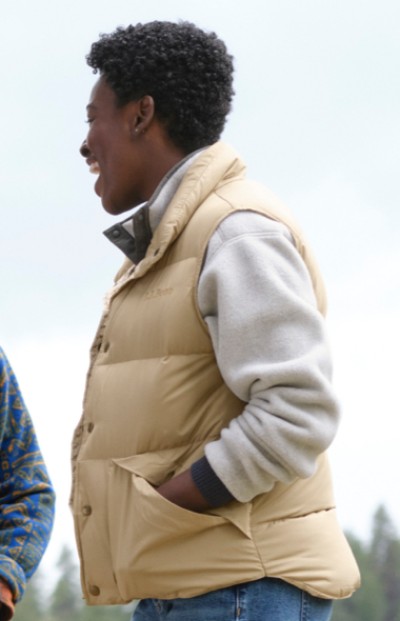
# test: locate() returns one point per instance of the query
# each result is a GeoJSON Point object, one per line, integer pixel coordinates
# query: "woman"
{"type": "Point", "coordinates": [201, 484]}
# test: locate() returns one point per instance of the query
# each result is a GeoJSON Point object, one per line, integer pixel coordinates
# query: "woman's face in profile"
{"type": "Point", "coordinates": [111, 150]}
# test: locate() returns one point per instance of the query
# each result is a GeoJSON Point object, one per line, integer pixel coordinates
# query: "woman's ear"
{"type": "Point", "coordinates": [144, 114]}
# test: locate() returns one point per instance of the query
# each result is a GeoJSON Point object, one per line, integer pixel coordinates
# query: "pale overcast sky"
{"type": "Point", "coordinates": [317, 119]}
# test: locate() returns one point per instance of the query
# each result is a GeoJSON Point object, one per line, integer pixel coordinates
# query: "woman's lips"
{"type": "Point", "coordinates": [94, 168]}
{"type": "Point", "coordinates": [98, 184]}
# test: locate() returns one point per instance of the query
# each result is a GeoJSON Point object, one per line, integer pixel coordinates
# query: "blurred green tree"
{"type": "Point", "coordinates": [66, 599]}
{"type": "Point", "coordinates": [34, 602]}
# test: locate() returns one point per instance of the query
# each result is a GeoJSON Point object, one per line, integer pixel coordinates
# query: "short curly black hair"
{"type": "Point", "coordinates": [187, 71]}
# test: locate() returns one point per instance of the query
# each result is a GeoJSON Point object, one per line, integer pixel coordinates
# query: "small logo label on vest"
{"type": "Point", "coordinates": [157, 293]}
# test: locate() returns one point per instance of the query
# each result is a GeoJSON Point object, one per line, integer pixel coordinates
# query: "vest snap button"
{"type": "Point", "coordinates": [90, 427]}
{"type": "Point", "coordinates": [94, 590]}
{"type": "Point", "coordinates": [106, 347]}
{"type": "Point", "coordinates": [86, 510]}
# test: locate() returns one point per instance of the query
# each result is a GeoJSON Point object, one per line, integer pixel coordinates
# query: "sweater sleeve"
{"type": "Point", "coordinates": [256, 296]}
{"type": "Point", "coordinates": [26, 493]}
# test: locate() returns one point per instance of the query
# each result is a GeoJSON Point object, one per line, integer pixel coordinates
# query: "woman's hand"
{"type": "Point", "coordinates": [182, 491]}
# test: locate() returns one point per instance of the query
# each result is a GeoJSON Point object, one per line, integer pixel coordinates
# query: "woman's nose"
{"type": "Point", "coordinates": [84, 149]}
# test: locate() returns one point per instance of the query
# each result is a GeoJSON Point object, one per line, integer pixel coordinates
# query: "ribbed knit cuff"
{"type": "Point", "coordinates": [209, 485]}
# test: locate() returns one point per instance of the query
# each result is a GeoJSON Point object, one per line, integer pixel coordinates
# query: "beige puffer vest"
{"type": "Point", "coordinates": [154, 398]}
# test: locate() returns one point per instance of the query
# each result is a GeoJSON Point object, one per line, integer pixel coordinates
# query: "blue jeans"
{"type": "Point", "coordinates": [268, 599]}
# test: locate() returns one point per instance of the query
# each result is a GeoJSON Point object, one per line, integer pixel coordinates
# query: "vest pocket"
{"type": "Point", "coordinates": [162, 550]}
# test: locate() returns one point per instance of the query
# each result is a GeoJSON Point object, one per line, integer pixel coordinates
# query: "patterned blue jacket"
{"type": "Point", "coordinates": [26, 494]}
